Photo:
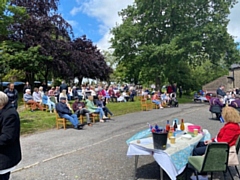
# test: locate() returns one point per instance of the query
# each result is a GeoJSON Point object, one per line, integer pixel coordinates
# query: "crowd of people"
{"type": "Point", "coordinates": [222, 99]}
{"type": "Point", "coordinates": [88, 99]}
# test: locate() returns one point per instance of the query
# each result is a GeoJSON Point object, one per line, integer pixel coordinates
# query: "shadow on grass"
{"type": "Point", "coordinates": [26, 121]}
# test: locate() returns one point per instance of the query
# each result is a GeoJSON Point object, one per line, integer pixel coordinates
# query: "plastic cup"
{"type": "Point", "coordinates": [195, 132]}
{"type": "Point", "coordinates": [172, 140]}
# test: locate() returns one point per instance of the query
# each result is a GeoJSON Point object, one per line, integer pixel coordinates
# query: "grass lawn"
{"type": "Point", "coordinates": [39, 121]}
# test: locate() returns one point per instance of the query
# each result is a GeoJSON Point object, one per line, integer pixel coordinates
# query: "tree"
{"type": "Point", "coordinates": [87, 61]}
{"type": "Point", "coordinates": [8, 15]}
{"type": "Point", "coordinates": [45, 30]}
{"type": "Point", "coordinates": [161, 35]}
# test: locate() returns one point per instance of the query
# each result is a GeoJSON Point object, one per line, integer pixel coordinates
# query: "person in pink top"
{"type": "Point", "coordinates": [156, 100]}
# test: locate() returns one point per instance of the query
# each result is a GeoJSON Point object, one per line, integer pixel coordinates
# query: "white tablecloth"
{"type": "Point", "coordinates": [168, 158]}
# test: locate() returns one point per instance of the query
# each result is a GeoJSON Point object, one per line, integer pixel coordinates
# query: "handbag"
{"type": "Point", "coordinates": [233, 157]}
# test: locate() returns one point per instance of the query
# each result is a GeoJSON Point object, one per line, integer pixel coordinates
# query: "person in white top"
{"type": "Point", "coordinates": [37, 96]}
{"type": "Point", "coordinates": [41, 91]}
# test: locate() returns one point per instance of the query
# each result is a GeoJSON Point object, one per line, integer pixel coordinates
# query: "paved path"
{"type": "Point", "coordinates": [99, 152]}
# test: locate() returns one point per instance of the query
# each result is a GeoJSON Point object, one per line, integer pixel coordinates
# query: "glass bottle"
{"type": "Point", "coordinates": [182, 127]}
{"type": "Point", "coordinates": [175, 125]}
{"type": "Point", "coordinates": [167, 126]}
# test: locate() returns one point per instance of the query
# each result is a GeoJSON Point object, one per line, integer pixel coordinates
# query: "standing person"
{"type": "Point", "coordinates": [220, 91]}
{"type": "Point", "coordinates": [56, 94]}
{"type": "Point", "coordinates": [64, 86]}
{"type": "Point", "coordinates": [26, 86]}
{"type": "Point", "coordinates": [12, 95]}
{"type": "Point", "coordinates": [174, 89]}
{"type": "Point", "coordinates": [10, 149]}
{"type": "Point", "coordinates": [44, 86]}
{"type": "Point", "coordinates": [180, 91]}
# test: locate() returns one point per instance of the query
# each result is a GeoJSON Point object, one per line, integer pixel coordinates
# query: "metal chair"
{"type": "Point", "coordinates": [214, 160]}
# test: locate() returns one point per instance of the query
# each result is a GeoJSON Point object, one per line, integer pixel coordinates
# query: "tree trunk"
{"type": "Point", "coordinates": [80, 79]}
{"type": "Point", "coordinates": [158, 83]}
{"type": "Point", "coordinates": [30, 79]}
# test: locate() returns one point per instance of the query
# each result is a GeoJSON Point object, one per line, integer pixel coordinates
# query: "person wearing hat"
{"type": "Point", "coordinates": [64, 112]}
{"type": "Point", "coordinates": [79, 109]}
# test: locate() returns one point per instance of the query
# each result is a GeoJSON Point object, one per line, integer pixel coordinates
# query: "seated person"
{"type": "Point", "coordinates": [75, 93]}
{"type": "Point", "coordinates": [173, 100]}
{"type": "Point", "coordinates": [47, 101]}
{"type": "Point", "coordinates": [100, 102]}
{"type": "Point", "coordinates": [29, 100]}
{"type": "Point", "coordinates": [132, 94]}
{"type": "Point", "coordinates": [216, 101]}
{"type": "Point", "coordinates": [156, 100]}
{"type": "Point", "coordinates": [112, 94]}
{"type": "Point", "coordinates": [93, 109]}
{"type": "Point", "coordinates": [37, 96]}
{"type": "Point", "coordinates": [228, 133]}
{"type": "Point", "coordinates": [125, 95]}
{"type": "Point", "coordinates": [79, 109]}
{"type": "Point", "coordinates": [120, 97]}
{"type": "Point", "coordinates": [101, 91]}
{"type": "Point", "coordinates": [165, 99]}
{"type": "Point", "coordinates": [64, 94]}
{"type": "Point", "coordinates": [236, 102]}
{"type": "Point", "coordinates": [231, 98]}
{"type": "Point", "coordinates": [64, 112]}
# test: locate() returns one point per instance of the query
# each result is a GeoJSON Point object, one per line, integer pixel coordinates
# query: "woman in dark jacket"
{"type": "Point", "coordinates": [10, 150]}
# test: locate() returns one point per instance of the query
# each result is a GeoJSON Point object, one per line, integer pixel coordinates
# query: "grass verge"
{"type": "Point", "coordinates": [36, 121]}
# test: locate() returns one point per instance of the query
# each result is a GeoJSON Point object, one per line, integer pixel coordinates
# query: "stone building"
{"type": "Point", "coordinates": [230, 81]}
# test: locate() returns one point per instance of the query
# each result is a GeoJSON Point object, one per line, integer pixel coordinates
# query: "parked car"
{"type": "Point", "coordinates": [203, 98]}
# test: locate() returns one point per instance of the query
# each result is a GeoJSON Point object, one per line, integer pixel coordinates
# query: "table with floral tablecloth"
{"type": "Point", "coordinates": [172, 160]}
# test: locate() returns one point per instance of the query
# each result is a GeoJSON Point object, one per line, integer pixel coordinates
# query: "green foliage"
{"type": "Point", "coordinates": [14, 75]}
{"type": "Point", "coordinates": [166, 40]}
{"type": "Point", "coordinates": [16, 56]}
{"type": "Point", "coordinates": [8, 15]}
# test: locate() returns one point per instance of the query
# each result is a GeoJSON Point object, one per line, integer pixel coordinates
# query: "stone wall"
{"type": "Point", "coordinates": [214, 85]}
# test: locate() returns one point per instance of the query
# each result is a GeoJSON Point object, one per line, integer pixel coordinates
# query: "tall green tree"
{"type": "Point", "coordinates": [8, 15]}
{"type": "Point", "coordinates": [161, 35]}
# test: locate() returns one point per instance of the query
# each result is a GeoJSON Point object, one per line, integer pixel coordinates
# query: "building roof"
{"type": "Point", "coordinates": [235, 66]}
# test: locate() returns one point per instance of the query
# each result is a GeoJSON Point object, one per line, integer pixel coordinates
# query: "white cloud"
{"type": "Point", "coordinates": [233, 26]}
{"type": "Point", "coordinates": [72, 23]}
{"type": "Point", "coordinates": [75, 10]}
{"type": "Point", "coordinates": [106, 12]}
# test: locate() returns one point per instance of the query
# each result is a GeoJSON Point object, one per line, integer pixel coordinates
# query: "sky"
{"type": "Point", "coordinates": [95, 18]}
